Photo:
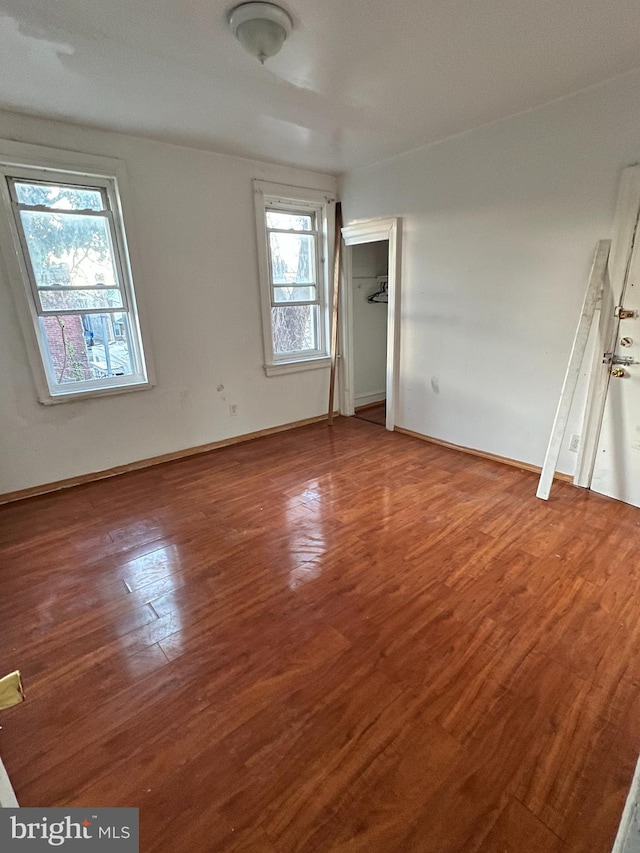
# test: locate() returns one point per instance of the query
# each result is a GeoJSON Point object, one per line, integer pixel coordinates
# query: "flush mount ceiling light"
{"type": "Point", "coordinates": [261, 28]}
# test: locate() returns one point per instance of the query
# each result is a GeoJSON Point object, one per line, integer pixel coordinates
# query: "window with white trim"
{"type": "Point", "coordinates": [71, 256]}
{"type": "Point", "coordinates": [295, 237]}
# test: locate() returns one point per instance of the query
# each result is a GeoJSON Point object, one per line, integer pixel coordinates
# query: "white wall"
{"type": "Point", "coordinates": [197, 279]}
{"type": "Point", "coordinates": [499, 229]}
{"type": "Point", "coordinates": [368, 261]}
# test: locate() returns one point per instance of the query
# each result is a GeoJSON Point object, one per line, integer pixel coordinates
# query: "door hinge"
{"type": "Point", "coordinates": [625, 314]}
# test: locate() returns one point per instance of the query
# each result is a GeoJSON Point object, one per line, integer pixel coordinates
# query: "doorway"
{"type": "Point", "coordinates": [369, 308]}
{"type": "Point", "coordinates": [370, 320]}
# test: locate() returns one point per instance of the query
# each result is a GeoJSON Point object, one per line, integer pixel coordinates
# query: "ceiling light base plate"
{"type": "Point", "coordinates": [261, 28]}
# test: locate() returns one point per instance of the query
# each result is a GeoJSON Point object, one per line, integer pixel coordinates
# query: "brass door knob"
{"type": "Point", "coordinates": [619, 372]}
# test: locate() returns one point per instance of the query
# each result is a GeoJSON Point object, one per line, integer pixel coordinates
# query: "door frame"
{"type": "Point", "coordinates": [372, 231]}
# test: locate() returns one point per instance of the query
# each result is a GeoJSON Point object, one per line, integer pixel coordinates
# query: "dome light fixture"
{"type": "Point", "coordinates": [261, 28]}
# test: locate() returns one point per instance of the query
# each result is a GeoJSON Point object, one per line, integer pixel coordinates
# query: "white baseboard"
{"type": "Point", "coordinates": [7, 794]}
{"type": "Point", "coordinates": [367, 399]}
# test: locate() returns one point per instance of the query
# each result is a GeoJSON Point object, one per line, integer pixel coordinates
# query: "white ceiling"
{"type": "Point", "coordinates": [357, 81]}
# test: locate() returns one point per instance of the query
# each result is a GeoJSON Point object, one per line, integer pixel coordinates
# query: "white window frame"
{"type": "Point", "coordinates": [36, 163]}
{"type": "Point", "coordinates": [295, 199]}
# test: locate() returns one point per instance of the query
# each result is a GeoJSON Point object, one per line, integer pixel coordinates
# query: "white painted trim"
{"type": "Point", "coordinates": [372, 231]}
{"type": "Point", "coordinates": [286, 192]}
{"type": "Point", "coordinates": [625, 227]}
{"type": "Point", "coordinates": [113, 176]}
{"type": "Point", "coordinates": [297, 366]}
{"type": "Point", "coordinates": [24, 155]}
{"type": "Point", "coordinates": [594, 289]}
{"type": "Point", "coordinates": [7, 794]}
{"type": "Point", "coordinates": [324, 203]}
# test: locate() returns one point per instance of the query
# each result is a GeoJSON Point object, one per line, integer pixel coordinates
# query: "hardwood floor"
{"type": "Point", "coordinates": [332, 639]}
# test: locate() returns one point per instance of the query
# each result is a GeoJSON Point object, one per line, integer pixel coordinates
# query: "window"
{"type": "Point", "coordinates": [70, 256]}
{"type": "Point", "coordinates": [295, 236]}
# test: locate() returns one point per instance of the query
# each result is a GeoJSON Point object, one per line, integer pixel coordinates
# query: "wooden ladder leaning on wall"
{"type": "Point", "coordinates": [335, 301]}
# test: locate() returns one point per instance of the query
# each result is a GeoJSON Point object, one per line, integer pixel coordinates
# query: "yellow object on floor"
{"type": "Point", "coordinates": [11, 692]}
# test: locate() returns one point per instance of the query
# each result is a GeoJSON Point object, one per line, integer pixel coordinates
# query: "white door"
{"type": "Point", "coordinates": [617, 465]}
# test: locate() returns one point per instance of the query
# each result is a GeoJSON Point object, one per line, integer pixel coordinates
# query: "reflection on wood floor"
{"type": "Point", "coordinates": [375, 414]}
{"type": "Point", "coordinates": [327, 639]}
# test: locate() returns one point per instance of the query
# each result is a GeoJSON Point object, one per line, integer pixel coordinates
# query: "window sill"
{"type": "Point", "coordinates": [297, 366]}
{"type": "Point", "coordinates": [93, 393]}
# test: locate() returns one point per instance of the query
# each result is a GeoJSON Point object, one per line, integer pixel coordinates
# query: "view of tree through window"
{"type": "Point", "coordinates": [294, 306]}
{"type": "Point", "coordinates": [82, 306]}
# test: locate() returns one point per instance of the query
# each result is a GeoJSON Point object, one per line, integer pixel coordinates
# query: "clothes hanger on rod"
{"type": "Point", "coordinates": [381, 295]}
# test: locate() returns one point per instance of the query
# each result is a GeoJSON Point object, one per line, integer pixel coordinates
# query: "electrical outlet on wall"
{"type": "Point", "coordinates": [574, 444]}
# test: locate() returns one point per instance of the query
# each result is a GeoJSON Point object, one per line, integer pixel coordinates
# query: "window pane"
{"type": "Point", "coordinates": [70, 300]}
{"type": "Point", "coordinates": [69, 249]}
{"type": "Point", "coordinates": [289, 221]}
{"type": "Point", "coordinates": [294, 328]}
{"type": "Point", "coordinates": [294, 294]}
{"type": "Point", "coordinates": [88, 346]}
{"type": "Point", "coordinates": [59, 197]}
{"type": "Point", "coordinates": [292, 258]}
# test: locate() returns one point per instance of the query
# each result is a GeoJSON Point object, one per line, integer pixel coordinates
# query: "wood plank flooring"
{"type": "Point", "coordinates": [376, 413]}
{"type": "Point", "coordinates": [332, 639]}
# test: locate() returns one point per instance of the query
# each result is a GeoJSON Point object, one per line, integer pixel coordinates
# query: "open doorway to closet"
{"type": "Point", "coordinates": [370, 317]}
{"type": "Point", "coordinates": [370, 300]}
